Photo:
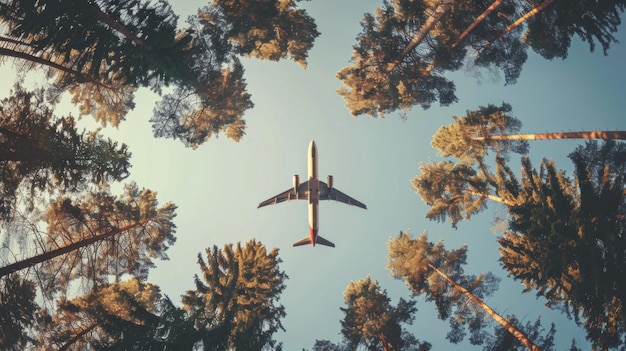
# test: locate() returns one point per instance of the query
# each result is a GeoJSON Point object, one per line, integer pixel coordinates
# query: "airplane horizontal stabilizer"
{"type": "Point", "coordinates": [304, 241]}
{"type": "Point", "coordinates": [323, 241]}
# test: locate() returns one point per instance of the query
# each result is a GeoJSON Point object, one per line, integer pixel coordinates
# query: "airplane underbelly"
{"type": "Point", "coordinates": [314, 198]}
{"type": "Point", "coordinates": [313, 216]}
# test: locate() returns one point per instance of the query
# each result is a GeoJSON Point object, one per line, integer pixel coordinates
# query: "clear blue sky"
{"type": "Point", "coordinates": [218, 186]}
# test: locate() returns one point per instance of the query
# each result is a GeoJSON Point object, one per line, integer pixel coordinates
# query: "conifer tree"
{"type": "Point", "coordinates": [39, 151]}
{"type": "Point", "coordinates": [431, 270]}
{"type": "Point", "coordinates": [235, 303]}
{"type": "Point", "coordinates": [17, 312]}
{"type": "Point", "coordinates": [565, 238]}
{"type": "Point", "coordinates": [100, 236]}
{"type": "Point", "coordinates": [372, 321]}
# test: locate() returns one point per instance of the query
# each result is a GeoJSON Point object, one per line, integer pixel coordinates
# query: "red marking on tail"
{"type": "Point", "coordinates": [313, 233]}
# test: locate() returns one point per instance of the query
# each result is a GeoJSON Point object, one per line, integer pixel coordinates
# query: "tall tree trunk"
{"type": "Point", "coordinates": [36, 59]}
{"type": "Point", "coordinates": [522, 19]}
{"type": "Point", "coordinates": [605, 135]}
{"type": "Point", "coordinates": [111, 22]}
{"type": "Point", "coordinates": [39, 60]}
{"type": "Point", "coordinates": [77, 337]}
{"type": "Point", "coordinates": [493, 314]}
{"type": "Point", "coordinates": [29, 262]}
{"type": "Point", "coordinates": [479, 19]}
{"type": "Point", "coordinates": [491, 197]}
{"type": "Point", "coordinates": [442, 8]}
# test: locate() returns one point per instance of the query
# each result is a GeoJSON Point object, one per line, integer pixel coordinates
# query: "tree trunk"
{"type": "Point", "coordinates": [479, 19]}
{"type": "Point", "coordinates": [77, 337]}
{"type": "Point", "coordinates": [491, 197]}
{"type": "Point", "coordinates": [111, 22]}
{"type": "Point", "coordinates": [605, 135]}
{"type": "Point", "coordinates": [522, 19]}
{"type": "Point", "coordinates": [442, 8]}
{"type": "Point", "coordinates": [29, 262]}
{"type": "Point", "coordinates": [36, 59]}
{"type": "Point", "coordinates": [39, 60]}
{"type": "Point", "coordinates": [493, 314]}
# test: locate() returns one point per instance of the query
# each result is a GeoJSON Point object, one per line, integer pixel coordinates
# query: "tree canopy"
{"type": "Point", "coordinates": [39, 151]}
{"type": "Point", "coordinates": [405, 47]}
{"type": "Point", "coordinates": [566, 238]}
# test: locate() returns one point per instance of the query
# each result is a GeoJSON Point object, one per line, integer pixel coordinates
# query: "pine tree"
{"type": "Point", "coordinates": [565, 238]}
{"type": "Point", "coordinates": [454, 191]}
{"type": "Point", "coordinates": [372, 321]}
{"type": "Point", "coordinates": [431, 270]}
{"type": "Point", "coordinates": [268, 30]}
{"type": "Point", "coordinates": [235, 303]}
{"type": "Point", "coordinates": [39, 151]}
{"type": "Point", "coordinates": [100, 236]}
{"type": "Point", "coordinates": [17, 312]}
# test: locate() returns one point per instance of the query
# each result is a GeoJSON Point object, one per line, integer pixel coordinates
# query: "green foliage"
{"type": "Point", "coordinates": [374, 88]}
{"type": "Point", "coordinates": [41, 152]}
{"type": "Point", "coordinates": [431, 270]}
{"type": "Point", "coordinates": [110, 236]}
{"type": "Point", "coordinates": [116, 316]}
{"type": "Point", "coordinates": [370, 319]}
{"type": "Point", "coordinates": [405, 47]}
{"type": "Point", "coordinates": [566, 238]}
{"type": "Point", "coordinates": [469, 137]}
{"type": "Point", "coordinates": [194, 116]}
{"type": "Point", "coordinates": [550, 32]}
{"type": "Point", "coordinates": [453, 191]}
{"type": "Point", "coordinates": [268, 30]}
{"type": "Point", "coordinates": [102, 52]}
{"type": "Point", "coordinates": [235, 303]}
{"type": "Point", "coordinates": [502, 340]}
{"type": "Point", "coordinates": [17, 312]}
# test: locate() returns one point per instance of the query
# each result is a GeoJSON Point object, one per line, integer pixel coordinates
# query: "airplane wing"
{"type": "Point", "coordinates": [289, 194]}
{"type": "Point", "coordinates": [327, 193]}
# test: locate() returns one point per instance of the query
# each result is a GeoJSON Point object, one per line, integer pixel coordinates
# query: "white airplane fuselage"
{"type": "Point", "coordinates": [314, 198]}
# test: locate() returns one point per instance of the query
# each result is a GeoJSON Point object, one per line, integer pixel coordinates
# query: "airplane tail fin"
{"type": "Point", "coordinates": [307, 241]}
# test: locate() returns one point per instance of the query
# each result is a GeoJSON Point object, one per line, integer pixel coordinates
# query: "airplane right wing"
{"type": "Point", "coordinates": [289, 194]}
{"type": "Point", "coordinates": [327, 193]}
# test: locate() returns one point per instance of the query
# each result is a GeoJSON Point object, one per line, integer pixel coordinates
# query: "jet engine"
{"type": "Point", "coordinates": [296, 182]}
{"type": "Point", "coordinates": [330, 182]}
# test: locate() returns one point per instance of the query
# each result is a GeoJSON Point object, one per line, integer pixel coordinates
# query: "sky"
{"type": "Point", "coordinates": [217, 187]}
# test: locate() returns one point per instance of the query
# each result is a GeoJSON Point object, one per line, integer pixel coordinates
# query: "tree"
{"type": "Point", "coordinates": [235, 303]}
{"type": "Point", "coordinates": [41, 152]}
{"type": "Point", "coordinates": [502, 340]}
{"type": "Point", "coordinates": [385, 74]}
{"type": "Point", "coordinates": [437, 273]}
{"type": "Point", "coordinates": [552, 24]}
{"type": "Point", "coordinates": [405, 48]}
{"type": "Point", "coordinates": [372, 321]}
{"type": "Point", "coordinates": [454, 191]}
{"type": "Point", "coordinates": [17, 312]}
{"type": "Point", "coordinates": [99, 236]}
{"type": "Point", "coordinates": [566, 238]}
{"type": "Point", "coordinates": [136, 43]}
{"type": "Point", "coordinates": [100, 62]}
{"type": "Point", "coordinates": [470, 137]}
{"type": "Point", "coordinates": [194, 116]}
{"type": "Point", "coordinates": [126, 315]}
{"type": "Point", "coordinates": [268, 30]}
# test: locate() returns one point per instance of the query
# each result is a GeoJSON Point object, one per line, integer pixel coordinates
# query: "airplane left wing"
{"type": "Point", "coordinates": [289, 194]}
{"type": "Point", "coordinates": [327, 193]}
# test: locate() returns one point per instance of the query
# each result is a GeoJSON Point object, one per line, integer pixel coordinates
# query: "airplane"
{"type": "Point", "coordinates": [312, 190]}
